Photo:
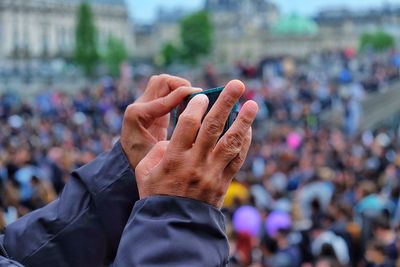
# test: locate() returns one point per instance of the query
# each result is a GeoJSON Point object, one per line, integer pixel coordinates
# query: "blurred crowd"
{"type": "Point", "coordinates": [44, 138]}
{"type": "Point", "coordinates": [309, 194]}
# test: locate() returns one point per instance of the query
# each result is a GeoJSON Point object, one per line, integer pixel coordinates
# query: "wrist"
{"type": "Point", "coordinates": [212, 201]}
{"type": "Point", "coordinates": [131, 154]}
{"type": "Point", "coordinates": [168, 201]}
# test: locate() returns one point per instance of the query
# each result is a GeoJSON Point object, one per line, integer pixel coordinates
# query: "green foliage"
{"type": "Point", "coordinates": [86, 54]}
{"type": "Point", "coordinates": [169, 54]}
{"type": "Point", "coordinates": [378, 41]}
{"type": "Point", "coordinates": [196, 36]}
{"type": "Point", "coordinates": [116, 53]}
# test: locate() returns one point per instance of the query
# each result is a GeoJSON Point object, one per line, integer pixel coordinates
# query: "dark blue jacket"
{"type": "Point", "coordinates": [98, 205]}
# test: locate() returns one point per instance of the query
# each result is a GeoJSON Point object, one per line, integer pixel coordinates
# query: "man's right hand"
{"type": "Point", "coordinates": [196, 163]}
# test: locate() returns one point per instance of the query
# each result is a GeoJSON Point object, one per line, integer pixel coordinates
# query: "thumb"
{"type": "Point", "coordinates": [164, 105]}
{"type": "Point", "coordinates": [151, 160]}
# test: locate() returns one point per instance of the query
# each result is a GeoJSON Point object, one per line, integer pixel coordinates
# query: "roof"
{"type": "Point", "coordinates": [108, 2]}
{"type": "Point", "coordinates": [295, 25]}
{"type": "Point", "coordinates": [237, 5]}
{"type": "Point", "coordinates": [339, 15]}
{"type": "Point", "coordinates": [101, 2]}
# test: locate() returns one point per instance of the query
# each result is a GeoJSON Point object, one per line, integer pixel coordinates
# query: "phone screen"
{"type": "Point", "coordinates": [212, 95]}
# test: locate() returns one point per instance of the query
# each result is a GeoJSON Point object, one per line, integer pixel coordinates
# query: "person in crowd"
{"type": "Point", "coordinates": [376, 256]}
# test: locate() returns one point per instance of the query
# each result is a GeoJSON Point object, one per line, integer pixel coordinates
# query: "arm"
{"type": "Point", "coordinates": [173, 231]}
{"type": "Point", "coordinates": [83, 227]}
{"type": "Point", "coordinates": [182, 184]}
{"type": "Point", "coordinates": [90, 213]}
{"type": "Point", "coordinates": [4, 262]}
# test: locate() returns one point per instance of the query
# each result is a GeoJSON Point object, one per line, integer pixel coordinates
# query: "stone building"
{"type": "Point", "coordinates": [254, 29]}
{"type": "Point", "coordinates": [46, 28]}
{"type": "Point", "coordinates": [151, 37]}
{"type": "Point", "coordinates": [236, 17]}
{"type": "Point", "coordinates": [294, 35]}
{"type": "Point", "coordinates": [344, 24]}
{"type": "Point", "coordinates": [231, 18]}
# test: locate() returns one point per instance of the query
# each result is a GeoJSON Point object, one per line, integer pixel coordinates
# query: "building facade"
{"type": "Point", "coordinates": [254, 29]}
{"type": "Point", "coordinates": [344, 22]}
{"type": "Point", "coordinates": [236, 17]}
{"type": "Point", "coordinates": [232, 19]}
{"type": "Point", "coordinates": [46, 28]}
{"type": "Point", "coordinates": [241, 36]}
{"type": "Point", "coordinates": [150, 38]}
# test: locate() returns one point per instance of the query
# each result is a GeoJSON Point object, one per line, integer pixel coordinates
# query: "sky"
{"type": "Point", "coordinates": [144, 10]}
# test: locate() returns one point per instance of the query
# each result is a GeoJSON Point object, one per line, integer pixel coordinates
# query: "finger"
{"type": "Point", "coordinates": [231, 144]}
{"type": "Point", "coordinates": [234, 166]}
{"type": "Point", "coordinates": [163, 105]}
{"type": "Point", "coordinates": [189, 123]}
{"type": "Point", "coordinates": [162, 85]}
{"type": "Point", "coordinates": [215, 120]}
{"type": "Point", "coordinates": [152, 159]}
{"type": "Point", "coordinates": [174, 83]}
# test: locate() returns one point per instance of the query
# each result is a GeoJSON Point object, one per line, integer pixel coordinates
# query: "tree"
{"type": "Point", "coordinates": [378, 41]}
{"type": "Point", "coordinates": [169, 54]}
{"type": "Point", "coordinates": [116, 53]}
{"type": "Point", "coordinates": [196, 36]}
{"type": "Point", "coordinates": [86, 54]}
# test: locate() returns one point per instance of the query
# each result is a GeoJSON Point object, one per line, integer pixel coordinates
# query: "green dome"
{"type": "Point", "coordinates": [295, 25]}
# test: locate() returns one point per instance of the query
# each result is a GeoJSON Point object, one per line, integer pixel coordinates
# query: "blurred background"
{"type": "Point", "coordinates": [321, 184]}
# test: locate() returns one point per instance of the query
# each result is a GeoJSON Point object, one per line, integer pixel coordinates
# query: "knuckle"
{"type": "Point", "coordinates": [229, 100]}
{"type": "Point", "coordinates": [163, 102]}
{"type": "Point", "coordinates": [170, 163]}
{"type": "Point", "coordinates": [229, 149]}
{"type": "Point", "coordinates": [192, 174]}
{"type": "Point", "coordinates": [141, 173]}
{"type": "Point", "coordinates": [168, 167]}
{"type": "Point", "coordinates": [131, 111]}
{"type": "Point", "coordinates": [189, 121]}
{"type": "Point", "coordinates": [234, 141]}
{"type": "Point", "coordinates": [194, 181]}
{"type": "Point", "coordinates": [195, 174]}
{"type": "Point", "coordinates": [153, 78]}
{"type": "Point", "coordinates": [208, 185]}
{"type": "Point", "coordinates": [236, 163]}
{"type": "Point", "coordinates": [213, 126]}
{"type": "Point", "coordinates": [164, 76]}
{"type": "Point", "coordinates": [246, 122]}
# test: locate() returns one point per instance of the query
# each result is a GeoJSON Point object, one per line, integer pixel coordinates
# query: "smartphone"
{"type": "Point", "coordinates": [212, 95]}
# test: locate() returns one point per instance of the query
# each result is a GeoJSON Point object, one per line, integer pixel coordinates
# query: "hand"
{"type": "Point", "coordinates": [146, 121]}
{"type": "Point", "coordinates": [195, 164]}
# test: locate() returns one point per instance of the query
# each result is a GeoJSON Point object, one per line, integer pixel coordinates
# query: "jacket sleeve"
{"type": "Point", "coordinates": [84, 225]}
{"type": "Point", "coordinates": [4, 262]}
{"type": "Point", "coordinates": [173, 231]}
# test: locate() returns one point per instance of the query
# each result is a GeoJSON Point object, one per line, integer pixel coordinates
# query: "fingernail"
{"type": "Point", "coordinates": [236, 86]}
{"type": "Point", "coordinates": [200, 98]}
{"type": "Point", "coordinates": [237, 83]}
{"type": "Point", "coordinates": [197, 89]}
{"type": "Point", "coordinates": [253, 106]}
